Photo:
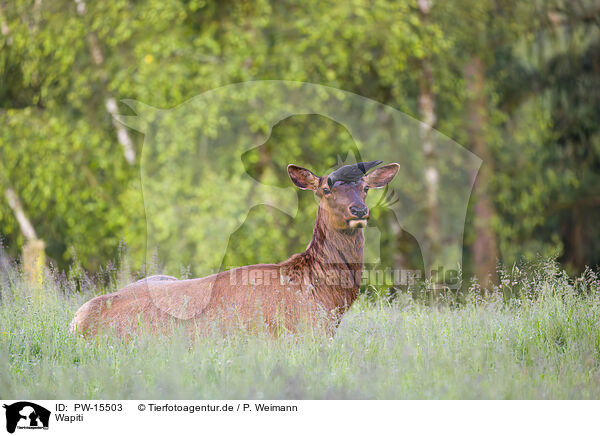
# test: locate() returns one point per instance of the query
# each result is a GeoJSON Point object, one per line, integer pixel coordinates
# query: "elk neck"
{"type": "Point", "coordinates": [331, 267]}
{"type": "Point", "coordinates": [332, 248]}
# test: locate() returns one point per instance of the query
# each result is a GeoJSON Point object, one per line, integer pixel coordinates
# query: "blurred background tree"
{"type": "Point", "coordinates": [515, 82]}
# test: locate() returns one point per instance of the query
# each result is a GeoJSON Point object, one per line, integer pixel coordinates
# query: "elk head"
{"type": "Point", "coordinates": [342, 194]}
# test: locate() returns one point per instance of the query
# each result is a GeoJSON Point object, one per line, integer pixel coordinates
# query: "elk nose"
{"type": "Point", "coordinates": [359, 211]}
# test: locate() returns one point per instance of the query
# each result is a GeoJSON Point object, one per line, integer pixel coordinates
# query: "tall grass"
{"type": "Point", "coordinates": [535, 335]}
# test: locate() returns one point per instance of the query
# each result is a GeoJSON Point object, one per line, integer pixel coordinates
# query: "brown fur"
{"type": "Point", "coordinates": [311, 289]}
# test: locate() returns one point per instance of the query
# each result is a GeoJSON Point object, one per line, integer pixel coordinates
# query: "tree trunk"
{"type": "Point", "coordinates": [431, 252]}
{"type": "Point", "coordinates": [484, 250]}
{"type": "Point", "coordinates": [110, 102]}
{"type": "Point", "coordinates": [575, 249]}
{"type": "Point", "coordinates": [34, 257]}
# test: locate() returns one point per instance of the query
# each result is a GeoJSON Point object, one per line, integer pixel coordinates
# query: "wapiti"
{"type": "Point", "coordinates": [314, 288]}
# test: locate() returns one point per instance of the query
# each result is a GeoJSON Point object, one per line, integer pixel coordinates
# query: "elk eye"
{"type": "Point", "coordinates": [326, 191]}
{"type": "Point", "coordinates": [366, 189]}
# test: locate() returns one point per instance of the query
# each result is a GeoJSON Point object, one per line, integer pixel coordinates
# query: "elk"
{"type": "Point", "coordinates": [313, 288]}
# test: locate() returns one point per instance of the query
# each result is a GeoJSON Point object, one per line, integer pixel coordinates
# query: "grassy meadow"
{"type": "Point", "coordinates": [534, 336]}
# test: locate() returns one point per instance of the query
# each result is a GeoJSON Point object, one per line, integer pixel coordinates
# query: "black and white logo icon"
{"type": "Point", "coordinates": [26, 415]}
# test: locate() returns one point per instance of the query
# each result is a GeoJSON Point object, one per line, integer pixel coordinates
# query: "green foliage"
{"type": "Point", "coordinates": [59, 147]}
{"type": "Point", "coordinates": [74, 189]}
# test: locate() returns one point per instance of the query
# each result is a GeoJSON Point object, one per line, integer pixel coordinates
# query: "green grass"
{"type": "Point", "coordinates": [537, 336]}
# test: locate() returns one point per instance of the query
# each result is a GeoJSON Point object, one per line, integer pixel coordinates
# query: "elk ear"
{"type": "Point", "coordinates": [303, 178]}
{"type": "Point", "coordinates": [380, 177]}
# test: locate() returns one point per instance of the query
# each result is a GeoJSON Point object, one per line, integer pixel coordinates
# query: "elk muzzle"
{"type": "Point", "coordinates": [360, 215]}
